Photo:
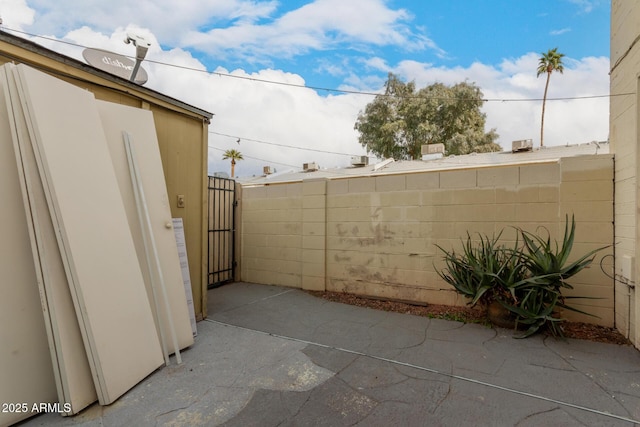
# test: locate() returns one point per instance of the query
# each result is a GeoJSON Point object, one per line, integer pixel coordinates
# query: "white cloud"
{"type": "Point", "coordinates": [252, 110]}
{"type": "Point", "coordinates": [319, 25]}
{"type": "Point", "coordinates": [252, 32]}
{"type": "Point", "coordinates": [376, 63]}
{"type": "Point", "coordinates": [332, 68]}
{"type": "Point", "coordinates": [302, 117]}
{"type": "Point", "coordinates": [248, 30]}
{"type": "Point", "coordinates": [571, 121]}
{"type": "Point", "coordinates": [16, 14]}
{"type": "Point", "coordinates": [566, 121]}
{"type": "Point", "coordinates": [168, 19]}
{"type": "Point", "coordinates": [560, 31]}
{"type": "Point", "coordinates": [586, 6]}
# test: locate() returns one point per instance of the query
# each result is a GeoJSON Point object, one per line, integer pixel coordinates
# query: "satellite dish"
{"type": "Point", "coordinates": [114, 63]}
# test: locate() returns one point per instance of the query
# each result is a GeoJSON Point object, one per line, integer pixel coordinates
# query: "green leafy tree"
{"type": "Point", "coordinates": [397, 123]}
{"type": "Point", "coordinates": [234, 155]}
{"type": "Point", "coordinates": [549, 62]}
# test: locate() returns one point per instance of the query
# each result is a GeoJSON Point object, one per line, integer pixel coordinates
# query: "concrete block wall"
{"type": "Point", "coordinates": [377, 235]}
{"type": "Point", "coordinates": [272, 235]}
{"type": "Point", "coordinates": [314, 222]}
{"type": "Point", "coordinates": [623, 136]}
{"type": "Point", "coordinates": [382, 231]}
{"type": "Point", "coordinates": [586, 191]}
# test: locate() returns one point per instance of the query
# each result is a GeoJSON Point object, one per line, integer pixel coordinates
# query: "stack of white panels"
{"type": "Point", "coordinates": [71, 367]}
{"type": "Point", "coordinates": [26, 372]}
{"type": "Point", "coordinates": [79, 244]}
{"type": "Point", "coordinates": [139, 125]}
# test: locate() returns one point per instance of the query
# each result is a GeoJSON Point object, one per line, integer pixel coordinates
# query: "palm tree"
{"type": "Point", "coordinates": [548, 63]}
{"type": "Point", "coordinates": [233, 155]}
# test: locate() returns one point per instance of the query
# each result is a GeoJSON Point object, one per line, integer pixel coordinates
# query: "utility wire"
{"type": "Point", "coordinates": [283, 145]}
{"type": "Point", "coordinates": [307, 87]}
{"type": "Point", "coordinates": [331, 90]}
{"type": "Point", "coordinates": [335, 172]}
{"type": "Point", "coordinates": [257, 158]}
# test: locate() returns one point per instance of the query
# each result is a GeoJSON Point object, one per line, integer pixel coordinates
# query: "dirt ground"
{"type": "Point", "coordinates": [575, 330]}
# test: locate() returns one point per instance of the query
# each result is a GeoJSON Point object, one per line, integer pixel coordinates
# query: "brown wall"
{"type": "Point", "coordinates": [377, 235]}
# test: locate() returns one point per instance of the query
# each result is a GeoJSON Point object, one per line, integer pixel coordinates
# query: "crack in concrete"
{"type": "Point", "coordinates": [453, 376]}
{"type": "Point", "coordinates": [245, 304]}
{"type": "Point", "coordinates": [354, 402]}
{"type": "Point", "coordinates": [447, 377]}
{"type": "Point", "coordinates": [557, 408]}
{"type": "Point", "coordinates": [538, 365]}
{"type": "Point", "coordinates": [400, 348]}
{"type": "Point", "coordinates": [182, 408]}
{"type": "Point", "coordinates": [495, 335]}
{"type": "Point", "coordinates": [591, 378]}
{"type": "Point", "coordinates": [295, 414]}
{"type": "Point", "coordinates": [443, 399]}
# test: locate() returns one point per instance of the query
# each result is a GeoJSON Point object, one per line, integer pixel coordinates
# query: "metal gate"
{"type": "Point", "coordinates": [221, 231]}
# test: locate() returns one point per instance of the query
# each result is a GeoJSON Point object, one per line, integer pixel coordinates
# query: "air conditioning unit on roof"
{"type": "Point", "coordinates": [359, 161]}
{"type": "Point", "coordinates": [310, 167]}
{"type": "Point", "coordinates": [522, 145]}
{"type": "Point", "coordinates": [432, 149]}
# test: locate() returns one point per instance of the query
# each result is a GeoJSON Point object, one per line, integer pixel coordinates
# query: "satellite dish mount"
{"type": "Point", "coordinates": [142, 46]}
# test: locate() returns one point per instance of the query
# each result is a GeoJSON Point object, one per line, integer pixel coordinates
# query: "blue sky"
{"type": "Point", "coordinates": [449, 33]}
{"type": "Point", "coordinates": [347, 44]}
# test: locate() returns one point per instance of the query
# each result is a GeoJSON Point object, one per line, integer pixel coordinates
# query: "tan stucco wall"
{"type": "Point", "coordinates": [625, 61]}
{"type": "Point", "coordinates": [377, 235]}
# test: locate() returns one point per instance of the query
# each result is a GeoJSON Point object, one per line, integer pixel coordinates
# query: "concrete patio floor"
{"type": "Point", "coordinates": [274, 356]}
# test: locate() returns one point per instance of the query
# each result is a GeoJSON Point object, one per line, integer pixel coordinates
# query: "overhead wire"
{"type": "Point", "coordinates": [211, 132]}
{"type": "Point", "coordinates": [326, 89]}
{"type": "Point", "coordinates": [317, 150]}
{"type": "Point", "coordinates": [317, 88]}
{"type": "Point", "coordinates": [257, 158]}
{"type": "Point", "coordinates": [333, 172]}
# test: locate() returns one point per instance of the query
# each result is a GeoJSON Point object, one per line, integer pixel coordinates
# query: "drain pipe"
{"type": "Point", "coordinates": [630, 284]}
{"type": "Point", "coordinates": [618, 278]}
{"type": "Point", "coordinates": [630, 287]}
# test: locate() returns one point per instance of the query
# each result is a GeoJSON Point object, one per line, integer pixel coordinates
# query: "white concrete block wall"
{"type": "Point", "coordinates": [385, 247]}
{"type": "Point", "coordinates": [271, 240]}
{"type": "Point", "coordinates": [623, 135]}
{"type": "Point", "coordinates": [377, 236]}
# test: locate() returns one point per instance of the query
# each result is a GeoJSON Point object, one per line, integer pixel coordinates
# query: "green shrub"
{"type": "Point", "coordinates": [527, 278]}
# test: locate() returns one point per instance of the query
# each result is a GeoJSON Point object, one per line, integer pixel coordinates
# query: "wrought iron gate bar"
{"type": "Point", "coordinates": [221, 231]}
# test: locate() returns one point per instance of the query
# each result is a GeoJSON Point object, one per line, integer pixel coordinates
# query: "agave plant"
{"type": "Point", "coordinates": [549, 270]}
{"type": "Point", "coordinates": [535, 307]}
{"type": "Point", "coordinates": [485, 272]}
{"type": "Point", "coordinates": [548, 262]}
{"type": "Point", "coordinates": [526, 279]}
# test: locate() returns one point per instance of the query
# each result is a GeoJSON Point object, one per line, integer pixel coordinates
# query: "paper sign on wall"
{"type": "Point", "coordinates": [178, 229]}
